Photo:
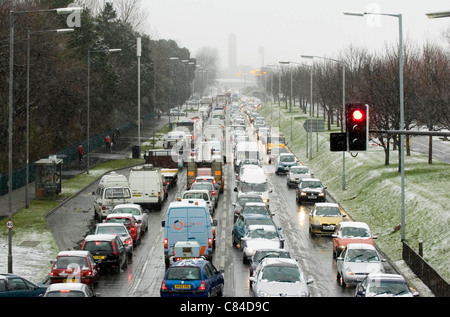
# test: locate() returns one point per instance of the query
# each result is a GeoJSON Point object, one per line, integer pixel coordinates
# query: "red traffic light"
{"type": "Point", "coordinates": [357, 115]}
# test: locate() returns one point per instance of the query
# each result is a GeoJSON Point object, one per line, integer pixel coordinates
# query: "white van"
{"type": "Point", "coordinates": [113, 189]}
{"type": "Point", "coordinates": [147, 186]}
{"type": "Point", "coordinates": [254, 180]}
{"type": "Point", "coordinates": [246, 150]}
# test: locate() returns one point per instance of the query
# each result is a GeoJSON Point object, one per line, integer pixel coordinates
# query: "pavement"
{"type": "Point", "coordinates": [70, 169]}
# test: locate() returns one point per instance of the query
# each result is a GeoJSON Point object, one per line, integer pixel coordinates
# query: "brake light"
{"type": "Point", "coordinates": [103, 208]}
{"type": "Point", "coordinates": [166, 243]}
{"type": "Point", "coordinates": [214, 192]}
{"type": "Point", "coordinates": [202, 286]}
{"type": "Point", "coordinates": [163, 285]}
{"type": "Point", "coordinates": [128, 241]}
{"type": "Point", "coordinates": [65, 291]}
{"type": "Point", "coordinates": [114, 248]}
{"type": "Point", "coordinates": [210, 242]}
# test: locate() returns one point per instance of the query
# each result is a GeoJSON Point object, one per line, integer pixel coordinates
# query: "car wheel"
{"type": "Point", "coordinates": [340, 280]}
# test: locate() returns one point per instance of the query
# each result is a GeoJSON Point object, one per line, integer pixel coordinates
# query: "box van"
{"type": "Point", "coordinates": [254, 180]}
{"type": "Point", "coordinates": [188, 220]}
{"type": "Point", "coordinates": [113, 189]}
{"type": "Point", "coordinates": [147, 186]}
{"type": "Point", "coordinates": [245, 151]}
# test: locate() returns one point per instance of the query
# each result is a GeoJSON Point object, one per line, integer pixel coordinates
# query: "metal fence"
{"type": "Point", "coordinates": [436, 283]}
{"type": "Point", "coordinates": [69, 154]}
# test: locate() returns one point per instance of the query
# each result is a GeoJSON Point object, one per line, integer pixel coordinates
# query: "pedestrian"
{"type": "Point", "coordinates": [80, 154]}
{"type": "Point", "coordinates": [108, 142]}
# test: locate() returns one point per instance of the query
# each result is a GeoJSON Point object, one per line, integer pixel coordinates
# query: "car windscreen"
{"type": "Point", "coordinates": [287, 274]}
{"type": "Point", "coordinates": [184, 273]}
{"type": "Point", "coordinates": [361, 255]}
{"type": "Point", "coordinates": [328, 211]}
{"type": "Point", "coordinates": [261, 210]}
{"type": "Point", "coordinates": [311, 184]}
{"type": "Point", "coordinates": [253, 187]}
{"type": "Point", "coordinates": [355, 232]}
{"type": "Point", "coordinates": [287, 158]}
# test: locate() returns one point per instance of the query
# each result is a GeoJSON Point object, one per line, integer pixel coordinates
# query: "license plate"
{"type": "Point", "coordinates": [99, 257]}
{"type": "Point", "coordinates": [182, 286]}
{"type": "Point", "coordinates": [312, 197]}
{"type": "Point", "coordinates": [72, 280]}
{"type": "Point", "coordinates": [328, 227]}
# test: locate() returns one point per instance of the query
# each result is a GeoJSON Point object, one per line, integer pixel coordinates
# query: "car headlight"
{"type": "Point", "coordinates": [316, 222]}
{"type": "Point", "coordinates": [322, 194]}
{"type": "Point", "coordinates": [302, 194]}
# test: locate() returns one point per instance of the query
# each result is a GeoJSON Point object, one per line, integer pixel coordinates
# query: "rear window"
{"type": "Point", "coordinates": [114, 193]}
{"type": "Point", "coordinates": [125, 221]}
{"type": "Point", "coordinates": [116, 229]}
{"type": "Point", "coordinates": [97, 246]}
{"type": "Point", "coordinates": [185, 273]}
{"type": "Point", "coordinates": [65, 262]}
{"type": "Point", "coordinates": [64, 293]}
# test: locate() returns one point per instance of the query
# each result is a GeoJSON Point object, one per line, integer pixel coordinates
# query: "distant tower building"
{"type": "Point", "coordinates": [261, 54]}
{"type": "Point", "coordinates": [232, 63]}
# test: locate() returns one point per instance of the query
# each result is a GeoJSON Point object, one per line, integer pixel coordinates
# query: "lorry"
{"type": "Point", "coordinates": [190, 221]}
{"type": "Point", "coordinates": [147, 186]}
{"type": "Point", "coordinates": [113, 189]}
{"type": "Point", "coordinates": [168, 162]}
{"type": "Point", "coordinates": [205, 168]}
{"type": "Point", "coordinates": [245, 150]}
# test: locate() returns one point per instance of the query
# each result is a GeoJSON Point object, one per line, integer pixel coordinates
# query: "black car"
{"type": "Point", "coordinates": [254, 208]}
{"type": "Point", "coordinates": [310, 190]}
{"type": "Point", "coordinates": [108, 251]}
{"type": "Point", "coordinates": [12, 285]}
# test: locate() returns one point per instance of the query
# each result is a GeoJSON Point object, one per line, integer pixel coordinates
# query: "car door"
{"type": "Point", "coordinates": [121, 250]}
{"type": "Point", "coordinates": [213, 277]}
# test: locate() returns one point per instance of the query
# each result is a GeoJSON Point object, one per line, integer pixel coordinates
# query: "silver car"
{"type": "Point", "coordinates": [357, 261]}
{"type": "Point", "coordinates": [137, 211]}
{"type": "Point", "coordinates": [259, 237]}
{"type": "Point", "coordinates": [280, 277]}
{"type": "Point", "coordinates": [296, 173]}
{"type": "Point", "coordinates": [120, 230]}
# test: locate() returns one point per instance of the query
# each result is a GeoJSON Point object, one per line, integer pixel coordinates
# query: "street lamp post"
{"type": "Point", "coordinates": [401, 96]}
{"type": "Point", "coordinates": [29, 33]}
{"type": "Point", "coordinates": [342, 63]}
{"type": "Point", "coordinates": [11, 109]}
{"type": "Point", "coordinates": [88, 96]}
{"type": "Point", "coordinates": [288, 63]}
{"type": "Point", "coordinates": [311, 104]}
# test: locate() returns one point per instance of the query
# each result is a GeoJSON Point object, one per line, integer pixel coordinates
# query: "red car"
{"type": "Point", "coordinates": [130, 222]}
{"type": "Point", "coordinates": [75, 266]}
{"type": "Point", "coordinates": [350, 232]}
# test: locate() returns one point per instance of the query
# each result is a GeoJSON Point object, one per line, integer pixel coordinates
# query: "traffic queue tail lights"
{"type": "Point", "coordinates": [357, 126]}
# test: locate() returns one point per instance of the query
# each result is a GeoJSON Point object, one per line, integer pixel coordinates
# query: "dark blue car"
{"type": "Point", "coordinates": [194, 277]}
{"type": "Point", "coordinates": [245, 220]}
{"type": "Point", "coordinates": [12, 285]}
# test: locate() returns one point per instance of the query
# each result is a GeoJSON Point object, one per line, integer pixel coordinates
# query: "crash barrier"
{"type": "Point", "coordinates": [435, 282]}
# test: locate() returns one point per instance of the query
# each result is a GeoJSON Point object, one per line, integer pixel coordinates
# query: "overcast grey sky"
{"type": "Point", "coordinates": [289, 28]}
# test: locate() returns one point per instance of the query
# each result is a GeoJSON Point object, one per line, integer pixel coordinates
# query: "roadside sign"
{"type": "Point", "coordinates": [9, 224]}
{"type": "Point", "coordinates": [314, 125]}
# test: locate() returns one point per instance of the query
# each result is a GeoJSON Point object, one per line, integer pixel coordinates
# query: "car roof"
{"type": "Point", "coordinates": [73, 253]}
{"type": "Point", "coordinates": [127, 206]}
{"type": "Point", "coordinates": [190, 262]}
{"type": "Point", "coordinates": [260, 216]}
{"type": "Point", "coordinates": [385, 276]}
{"type": "Point", "coordinates": [255, 203]}
{"type": "Point", "coordinates": [326, 205]}
{"type": "Point", "coordinates": [100, 237]}
{"type": "Point", "coordinates": [279, 261]}
{"type": "Point", "coordinates": [309, 179]}
{"type": "Point", "coordinates": [265, 227]}
{"type": "Point", "coordinates": [120, 215]}
{"type": "Point", "coordinates": [357, 224]}
{"type": "Point", "coordinates": [360, 246]}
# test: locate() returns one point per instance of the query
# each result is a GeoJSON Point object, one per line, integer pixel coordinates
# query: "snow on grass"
{"type": "Point", "coordinates": [373, 192]}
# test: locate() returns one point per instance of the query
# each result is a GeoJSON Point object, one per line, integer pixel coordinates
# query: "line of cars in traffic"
{"type": "Point", "coordinates": [272, 271]}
